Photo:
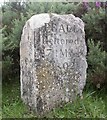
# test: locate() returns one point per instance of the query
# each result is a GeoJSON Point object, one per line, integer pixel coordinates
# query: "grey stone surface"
{"type": "Point", "coordinates": [52, 61]}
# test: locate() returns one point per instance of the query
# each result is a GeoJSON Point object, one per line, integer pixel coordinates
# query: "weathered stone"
{"type": "Point", "coordinates": [52, 60]}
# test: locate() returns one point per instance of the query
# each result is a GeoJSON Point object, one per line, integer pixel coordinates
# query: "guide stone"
{"type": "Point", "coordinates": [52, 61]}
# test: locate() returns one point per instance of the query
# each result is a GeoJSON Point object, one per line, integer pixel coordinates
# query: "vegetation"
{"type": "Point", "coordinates": [93, 105]}
{"type": "Point", "coordinates": [14, 16]}
{"type": "Point", "coordinates": [97, 68]}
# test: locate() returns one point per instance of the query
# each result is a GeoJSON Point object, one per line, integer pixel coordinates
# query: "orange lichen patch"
{"type": "Point", "coordinates": [45, 77]}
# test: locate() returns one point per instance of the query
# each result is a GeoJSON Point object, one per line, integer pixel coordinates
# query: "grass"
{"type": "Point", "coordinates": [0, 91]}
{"type": "Point", "coordinates": [93, 105]}
{"type": "Point", "coordinates": [12, 106]}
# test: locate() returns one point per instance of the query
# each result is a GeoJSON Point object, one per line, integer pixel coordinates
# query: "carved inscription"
{"type": "Point", "coordinates": [51, 35]}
